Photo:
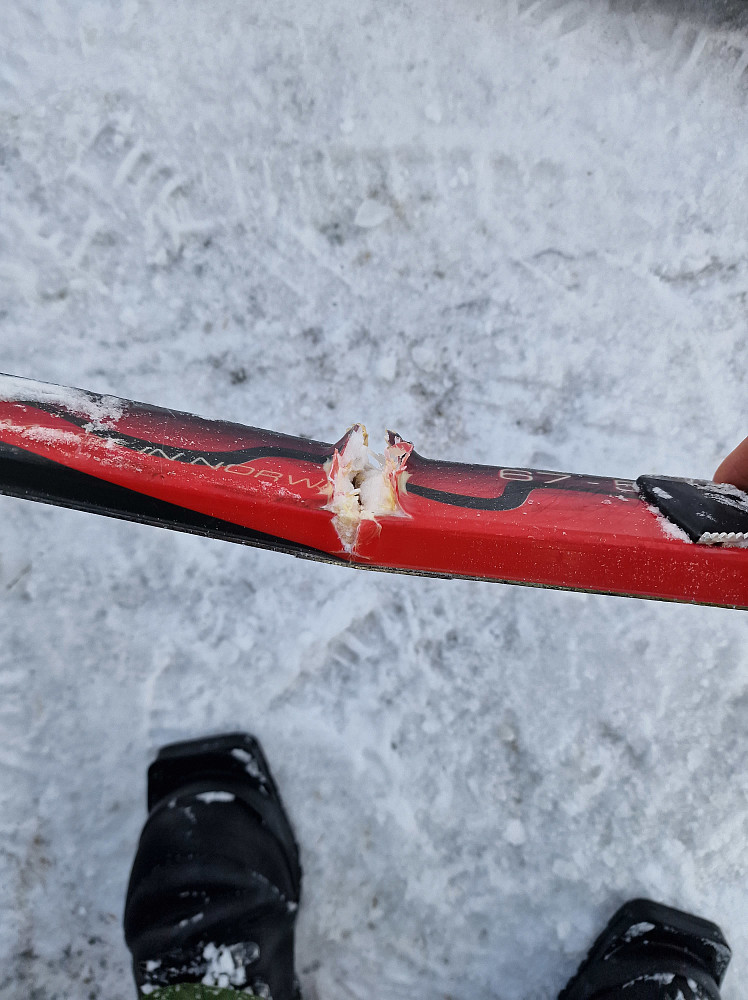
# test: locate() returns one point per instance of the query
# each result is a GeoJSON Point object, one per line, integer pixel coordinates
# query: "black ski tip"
{"type": "Point", "coordinates": [710, 513]}
{"type": "Point", "coordinates": [645, 939]}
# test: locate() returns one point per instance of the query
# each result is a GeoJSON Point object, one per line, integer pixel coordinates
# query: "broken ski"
{"type": "Point", "coordinates": [673, 539]}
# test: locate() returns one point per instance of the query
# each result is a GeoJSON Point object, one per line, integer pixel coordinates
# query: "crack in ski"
{"type": "Point", "coordinates": [364, 485]}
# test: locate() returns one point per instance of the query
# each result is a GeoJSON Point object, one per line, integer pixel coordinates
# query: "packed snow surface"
{"type": "Point", "coordinates": [516, 232]}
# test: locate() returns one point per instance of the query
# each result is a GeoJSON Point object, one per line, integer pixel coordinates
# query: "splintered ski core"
{"type": "Point", "coordinates": [364, 485]}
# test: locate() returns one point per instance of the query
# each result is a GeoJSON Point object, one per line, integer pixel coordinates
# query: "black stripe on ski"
{"type": "Point", "coordinates": [33, 477]}
{"type": "Point", "coordinates": [514, 495]}
{"type": "Point", "coordinates": [188, 456]}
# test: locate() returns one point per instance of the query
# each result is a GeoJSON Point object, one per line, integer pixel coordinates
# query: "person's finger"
{"type": "Point", "coordinates": [734, 469]}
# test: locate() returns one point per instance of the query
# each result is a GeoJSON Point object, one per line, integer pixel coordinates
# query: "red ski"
{"type": "Point", "coordinates": [673, 539]}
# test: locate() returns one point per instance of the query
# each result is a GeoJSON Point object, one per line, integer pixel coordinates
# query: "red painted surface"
{"type": "Point", "coordinates": [561, 532]}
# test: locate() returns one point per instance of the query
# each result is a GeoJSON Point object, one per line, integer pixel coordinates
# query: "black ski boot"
{"type": "Point", "coordinates": [216, 880]}
{"type": "Point", "coordinates": [652, 952]}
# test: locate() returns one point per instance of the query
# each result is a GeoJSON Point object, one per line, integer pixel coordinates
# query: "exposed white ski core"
{"type": "Point", "coordinates": [363, 483]}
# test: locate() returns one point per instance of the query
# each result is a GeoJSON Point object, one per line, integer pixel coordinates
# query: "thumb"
{"type": "Point", "coordinates": [734, 469]}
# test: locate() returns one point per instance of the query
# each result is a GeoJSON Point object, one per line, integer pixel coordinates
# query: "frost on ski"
{"type": "Point", "coordinates": [100, 410]}
{"type": "Point", "coordinates": [668, 527]}
{"type": "Point", "coordinates": [364, 485]}
{"type": "Point", "coordinates": [36, 434]}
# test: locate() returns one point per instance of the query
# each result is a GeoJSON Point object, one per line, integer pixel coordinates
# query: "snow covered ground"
{"type": "Point", "coordinates": [516, 233]}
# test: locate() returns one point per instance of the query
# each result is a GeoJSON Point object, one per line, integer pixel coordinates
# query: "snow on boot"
{"type": "Point", "coordinates": [652, 952]}
{"type": "Point", "coordinates": [216, 880]}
